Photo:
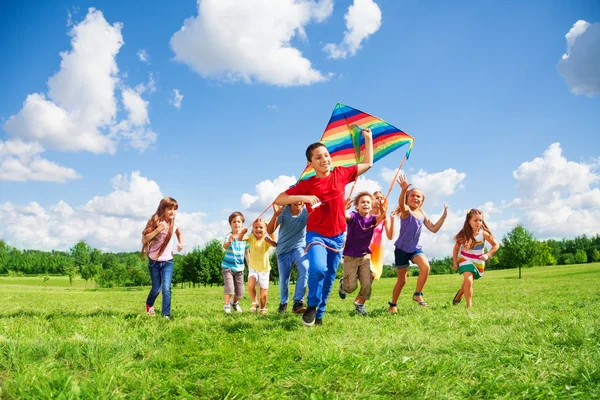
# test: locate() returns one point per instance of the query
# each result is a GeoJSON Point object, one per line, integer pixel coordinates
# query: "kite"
{"type": "Point", "coordinates": [345, 143]}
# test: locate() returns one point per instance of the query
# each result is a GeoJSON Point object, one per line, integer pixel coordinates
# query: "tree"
{"type": "Point", "coordinates": [274, 275]}
{"type": "Point", "coordinates": [211, 259]}
{"type": "Point", "coordinates": [81, 254]}
{"type": "Point", "coordinates": [71, 271]}
{"type": "Point", "coordinates": [544, 255]}
{"type": "Point", "coordinates": [4, 256]}
{"type": "Point", "coordinates": [581, 256]}
{"type": "Point", "coordinates": [595, 255]}
{"type": "Point", "coordinates": [568, 258]}
{"type": "Point", "coordinates": [89, 271]}
{"type": "Point", "coordinates": [520, 248]}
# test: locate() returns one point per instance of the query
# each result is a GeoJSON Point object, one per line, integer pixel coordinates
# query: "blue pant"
{"type": "Point", "coordinates": [323, 265]}
{"type": "Point", "coordinates": [161, 273]}
{"type": "Point", "coordinates": [284, 265]}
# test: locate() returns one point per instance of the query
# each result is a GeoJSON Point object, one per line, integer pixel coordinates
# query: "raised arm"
{"type": "Point", "coordinates": [368, 159]}
{"type": "Point", "coordinates": [436, 227]}
{"type": "Point", "coordinates": [403, 208]}
{"type": "Point", "coordinates": [272, 225]}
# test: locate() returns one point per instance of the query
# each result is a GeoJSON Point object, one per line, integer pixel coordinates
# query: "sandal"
{"type": "Point", "coordinates": [393, 307]}
{"type": "Point", "coordinates": [263, 311]}
{"type": "Point", "coordinates": [254, 307]}
{"type": "Point", "coordinates": [422, 303]}
{"type": "Point", "coordinates": [454, 301]}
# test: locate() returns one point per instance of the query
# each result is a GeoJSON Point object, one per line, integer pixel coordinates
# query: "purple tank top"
{"type": "Point", "coordinates": [410, 233]}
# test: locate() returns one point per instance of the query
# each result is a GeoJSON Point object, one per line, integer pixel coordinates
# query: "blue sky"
{"type": "Point", "coordinates": [501, 98]}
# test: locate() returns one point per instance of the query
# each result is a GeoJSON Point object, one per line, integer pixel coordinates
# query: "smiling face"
{"type": "Point", "coordinates": [259, 229]}
{"type": "Point", "coordinates": [414, 199]}
{"type": "Point", "coordinates": [320, 160]}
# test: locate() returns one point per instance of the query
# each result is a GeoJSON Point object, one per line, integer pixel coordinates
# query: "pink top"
{"type": "Point", "coordinates": [167, 253]}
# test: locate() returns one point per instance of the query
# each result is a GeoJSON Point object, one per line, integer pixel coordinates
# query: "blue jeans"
{"type": "Point", "coordinates": [323, 265]}
{"type": "Point", "coordinates": [161, 273]}
{"type": "Point", "coordinates": [284, 265]}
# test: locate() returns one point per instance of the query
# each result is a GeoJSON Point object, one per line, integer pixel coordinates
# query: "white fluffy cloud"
{"type": "Point", "coordinates": [557, 195]}
{"type": "Point", "coordinates": [551, 178]}
{"type": "Point", "coordinates": [250, 40]}
{"type": "Point", "coordinates": [21, 161]}
{"type": "Point", "coordinates": [580, 65]}
{"type": "Point", "coordinates": [362, 20]}
{"type": "Point", "coordinates": [265, 192]}
{"type": "Point", "coordinates": [80, 109]}
{"type": "Point", "coordinates": [176, 99]}
{"type": "Point", "coordinates": [113, 222]}
{"type": "Point", "coordinates": [436, 186]}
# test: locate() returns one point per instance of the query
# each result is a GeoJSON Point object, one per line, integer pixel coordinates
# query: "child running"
{"type": "Point", "coordinates": [232, 266]}
{"type": "Point", "coordinates": [326, 226]}
{"type": "Point", "coordinates": [468, 254]}
{"type": "Point", "coordinates": [357, 255]}
{"type": "Point", "coordinates": [258, 263]}
{"type": "Point", "coordinates": [291, 243]}
{"type": "Point", "coordinates": [376, 246]}
{"type": "Point", "coordinates": [157, 241]}
{"type": "Point", "coordinates": [412, 219]}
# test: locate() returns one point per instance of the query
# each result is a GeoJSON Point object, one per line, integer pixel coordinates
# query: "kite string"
{"type": "Point", "coordinates": [261, 214]}
{"type": "Point", "coordinates": [395, 177]}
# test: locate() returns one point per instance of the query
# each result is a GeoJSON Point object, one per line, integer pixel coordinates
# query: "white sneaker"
{"type": "Point", "coordinates": [227, 308]}
{"type": "Point", "coordinates": [236, 306]}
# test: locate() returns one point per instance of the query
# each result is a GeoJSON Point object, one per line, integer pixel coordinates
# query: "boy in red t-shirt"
{"type": "Point", "coordinates": [326, 227]}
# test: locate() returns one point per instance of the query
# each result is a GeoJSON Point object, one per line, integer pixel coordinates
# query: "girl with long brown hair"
{"type": "Point", "coordinates": [468, 255]}
{"type": "Point", "coordinates": [157, 241]}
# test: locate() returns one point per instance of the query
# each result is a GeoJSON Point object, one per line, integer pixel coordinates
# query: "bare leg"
{"type": "Point", "coordinates": [263, 298]}
{"type": "Point", "coordinates": [400, 282]}
{"type": "Point", "coordinates": [252, 289]}
{"type": "Point", "coordinates": [468, 287]}
{"type": "Point", "coordinates": [423, 265]}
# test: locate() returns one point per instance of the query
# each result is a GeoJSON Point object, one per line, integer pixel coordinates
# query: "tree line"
{"type": "Point", "coordinates": [202, 265]}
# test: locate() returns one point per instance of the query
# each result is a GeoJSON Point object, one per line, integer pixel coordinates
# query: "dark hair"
{"type": "Point", "coordinates": [236, 214]}
{"type": "Point", "coordinates": [309, 150]}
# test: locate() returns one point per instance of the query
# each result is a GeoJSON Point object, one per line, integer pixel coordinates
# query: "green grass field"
{"type": "Point", "coordinates": [536, 337]}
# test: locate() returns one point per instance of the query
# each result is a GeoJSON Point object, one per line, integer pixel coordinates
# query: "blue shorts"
{"type": "Point", "coordinates": [402, 257]}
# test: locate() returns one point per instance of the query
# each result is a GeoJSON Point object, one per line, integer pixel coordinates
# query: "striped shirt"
{"type": "Point", "coordinates": [234, 255]}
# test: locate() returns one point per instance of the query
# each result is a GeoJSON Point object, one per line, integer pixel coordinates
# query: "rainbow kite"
{"type": "Point", "coordinates": [345, 143]}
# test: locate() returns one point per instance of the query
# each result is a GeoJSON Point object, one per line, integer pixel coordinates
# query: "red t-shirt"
{"type": "Point", "coordinates": [329, 219]}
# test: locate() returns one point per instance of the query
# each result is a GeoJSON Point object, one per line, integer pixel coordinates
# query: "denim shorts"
{"type": "Point", "coordinates": [402, 257]}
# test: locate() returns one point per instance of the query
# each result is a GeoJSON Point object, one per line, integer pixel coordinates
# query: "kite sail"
{"type": "Point", "coordinates": [344, 141]}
